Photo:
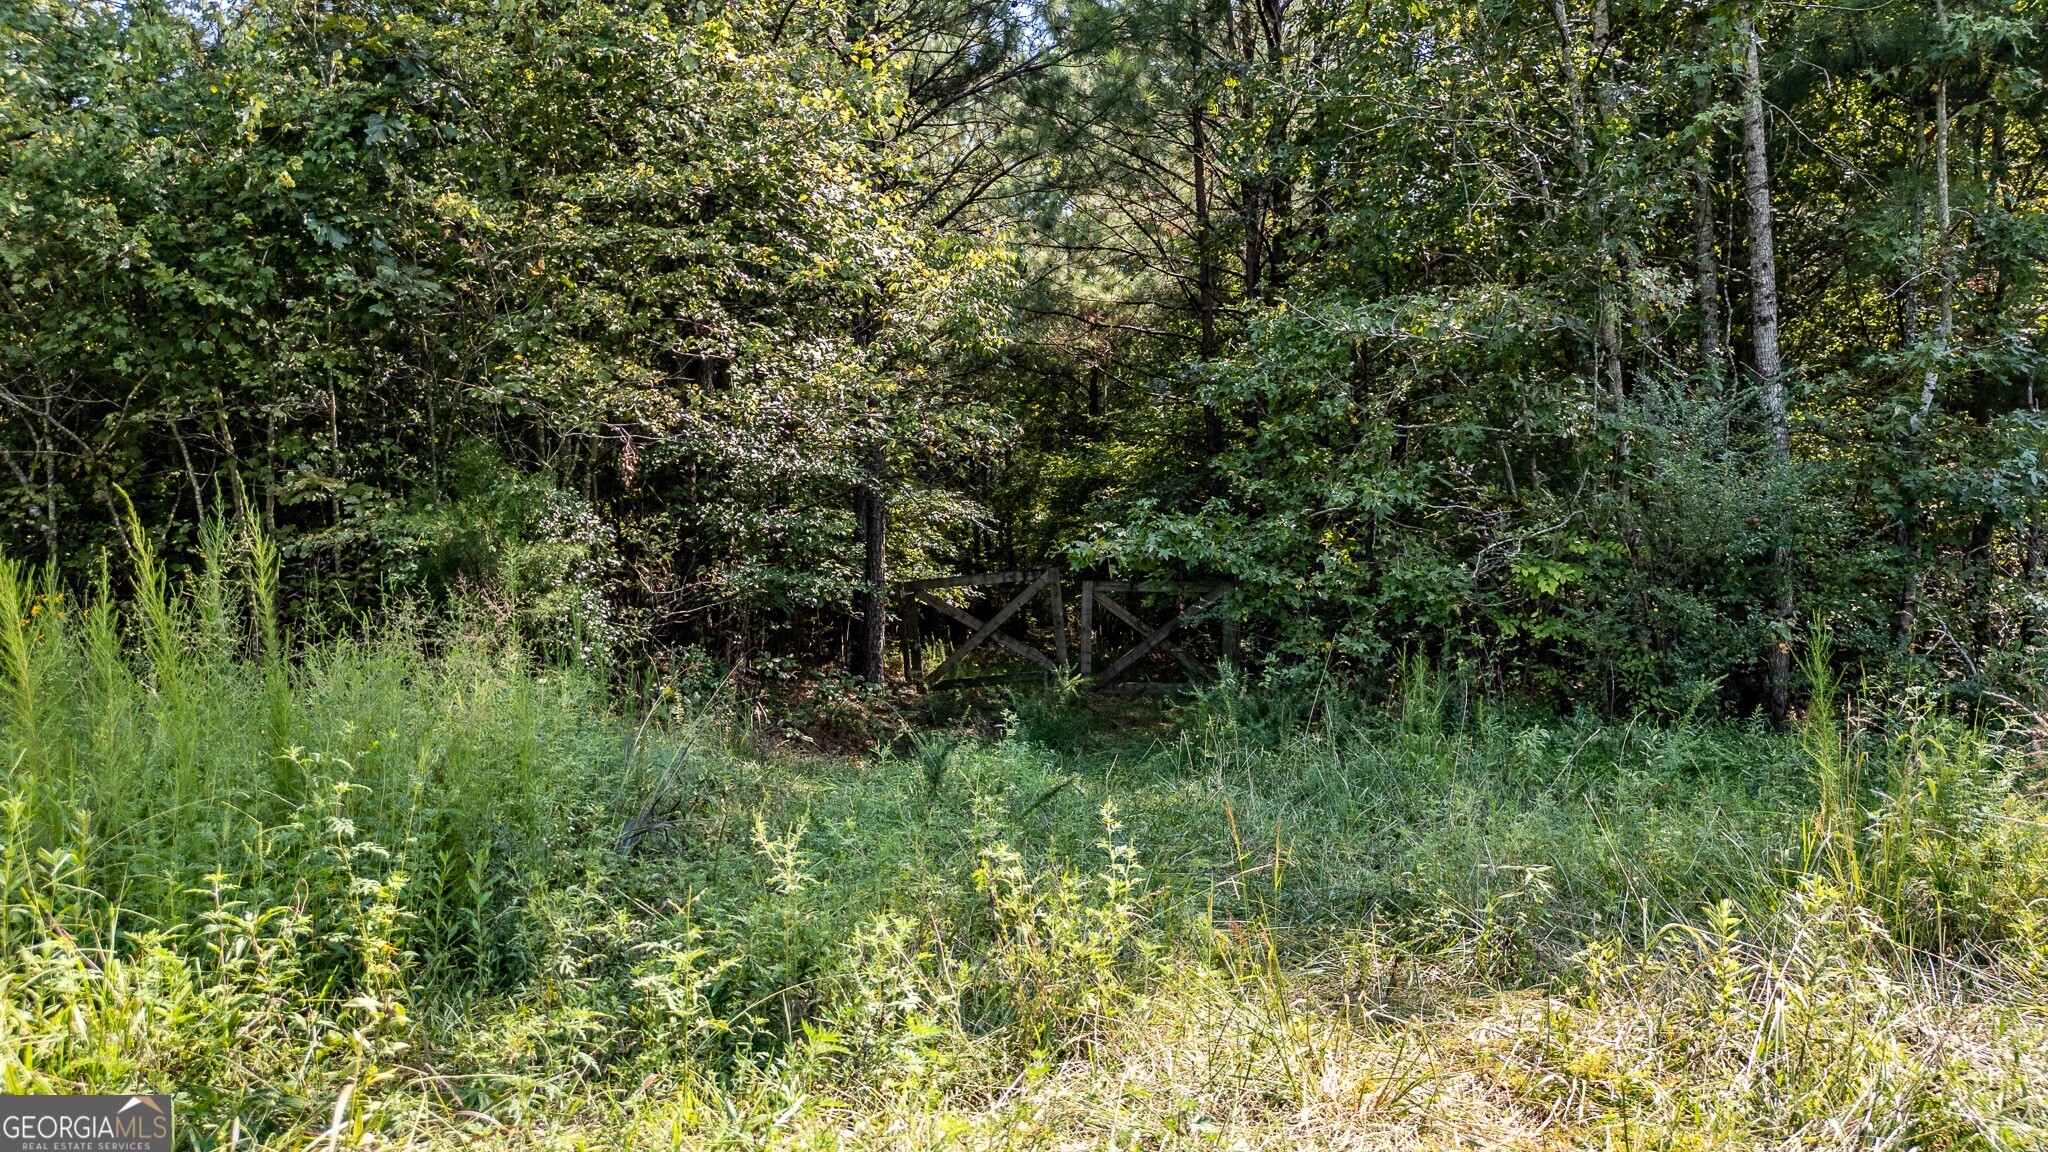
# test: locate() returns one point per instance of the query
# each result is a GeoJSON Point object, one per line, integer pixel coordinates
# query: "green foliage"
{"type": "Point", "coordinates": [1432, 325]}
{"type": "Point", "coordinates": [542, 357]}
{"type": "Point", "coordinates": [518, 545]}
{"type": "Point", "coordinates": [1481, 387]}
{"type": "Point", "coordinates": [320, 271]}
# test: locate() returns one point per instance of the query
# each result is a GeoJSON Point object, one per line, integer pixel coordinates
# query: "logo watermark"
{"type": "Point", "coordinates": [85, 1124]}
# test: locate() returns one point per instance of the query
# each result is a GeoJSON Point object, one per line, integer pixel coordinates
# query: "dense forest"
{"type": "Point", "coordinates": [497, 494]}
{"type": "Point", "coordinates": [1604, 350]}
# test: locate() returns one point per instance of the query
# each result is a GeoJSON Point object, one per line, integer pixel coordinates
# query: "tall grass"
{"type": "Point", "coordinates": [415, 889]}
{"type": "Point", "coordinates": [253, 858]}
{"type": "Point", "coordinates": [172, 757]}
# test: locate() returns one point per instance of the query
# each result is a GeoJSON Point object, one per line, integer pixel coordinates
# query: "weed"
{"type": "Point", "coordinates": [420, 890]}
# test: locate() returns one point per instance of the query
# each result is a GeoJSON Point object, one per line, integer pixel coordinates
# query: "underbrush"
{"type": "Point", "coordinates": [419, 890]}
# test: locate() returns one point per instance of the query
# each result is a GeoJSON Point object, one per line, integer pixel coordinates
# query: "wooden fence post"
{"type": "Point", "coordinates": [913, 641]}
{"type": "Point", "coordinates": [1087, 628]}
{"type": "Point", "coordinates": [1059, 618]}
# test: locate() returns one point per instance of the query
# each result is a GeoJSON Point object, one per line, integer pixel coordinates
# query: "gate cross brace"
{"type": "Point", "coordinates": [974, 622]}
{"type": "Point", "coordinates": [1144, 630]}
{"type": "Point", "coordinates": [1155, 638]}
{"type": "Point", "coordinates": [984, 630]}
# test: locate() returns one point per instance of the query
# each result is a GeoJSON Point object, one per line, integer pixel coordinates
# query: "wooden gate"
{"type": "Point", "coordinates": [916, 595]}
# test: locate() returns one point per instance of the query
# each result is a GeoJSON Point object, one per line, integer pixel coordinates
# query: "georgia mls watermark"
{"type": "Point", "coordinates": [85, 1124]}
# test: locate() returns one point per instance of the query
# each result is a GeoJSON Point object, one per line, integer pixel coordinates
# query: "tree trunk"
{"type": "Point", "coordinates": [1205, 241]}
{"type": "Point", "coordinates": [2037, 539]}
{"type": "Point", "coordinates": [49, 518]}
{"type": "Point", "coordinates": [1945, 325]}
{"type": "Point", "coordinates": [872, 509]}
{"type": "Point", "coordinates": [1907, 546]}
{"type": "Point", "coordinates": [1980, 567]}
{"type": "Point", "coordinates": [45, 523]}
{"type": "Point", "coordinates": [1706, 267]}
{"type": "Point", "coordinates": [1205, 272]}
{"type": "Point", "coordinates": [2030, 580]}
{"type": "Point", "coordinates": [270, 471]}
{"type": "Point", "coordinates": [1607, 323]}
{"type": "Point", "coordinates": [1930, 379]}
{"type": "Point", "coordinates": [1263, 195]}
{"type": "Point", "coordinates": [1763, 302]}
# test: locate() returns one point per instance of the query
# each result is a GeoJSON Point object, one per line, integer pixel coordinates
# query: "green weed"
{"type": "Point", "coordinates": [419, 890]}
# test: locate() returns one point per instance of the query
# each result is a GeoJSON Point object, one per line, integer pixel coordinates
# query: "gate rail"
{"type": "Point", "coordinates": [919, 594]}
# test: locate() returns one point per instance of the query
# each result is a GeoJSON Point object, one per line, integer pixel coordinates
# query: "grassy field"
{"type": "Point", "coordinates": [420, 890]}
